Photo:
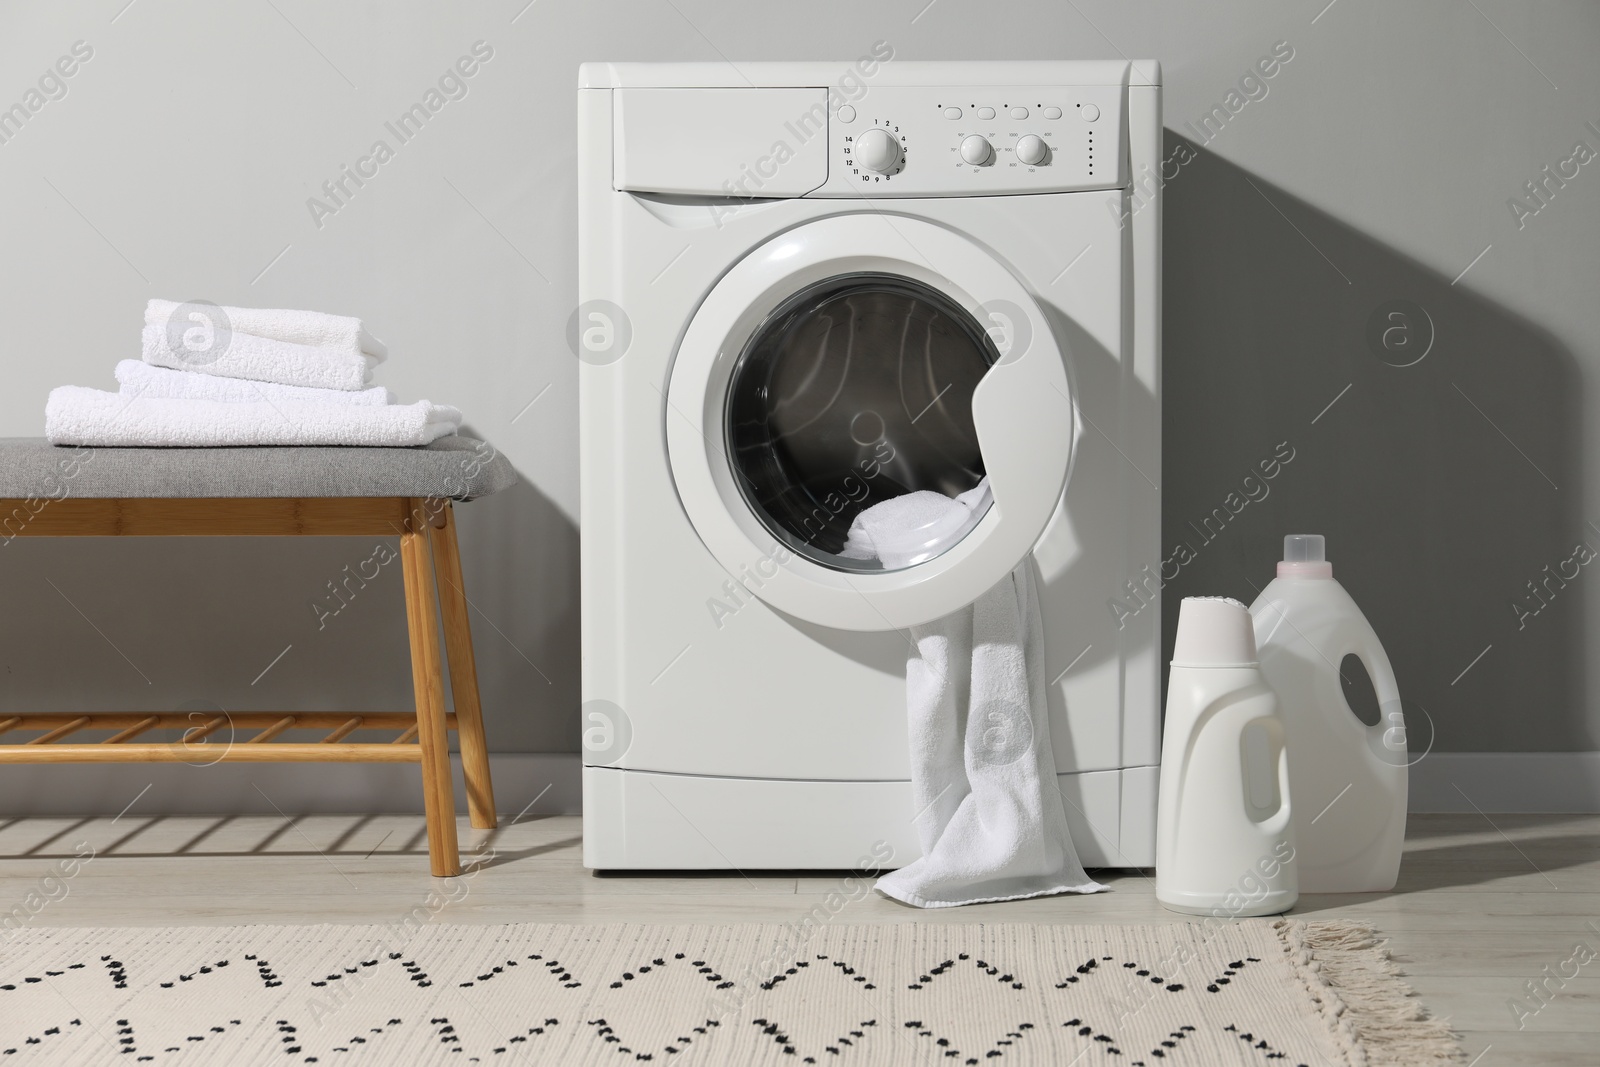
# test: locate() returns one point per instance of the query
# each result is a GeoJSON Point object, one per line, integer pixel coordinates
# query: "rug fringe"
{"type": "Point", "coordinates": [1374, 1016]}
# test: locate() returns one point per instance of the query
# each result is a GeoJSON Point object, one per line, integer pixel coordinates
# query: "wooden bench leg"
{"type": "Point", "coordinates": [438, 796]}
{"type": "Point", "coordinates": [463, 672]}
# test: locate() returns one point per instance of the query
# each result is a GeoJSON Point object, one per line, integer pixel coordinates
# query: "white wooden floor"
{"type": "Point", "coordinates": [1485, 903]}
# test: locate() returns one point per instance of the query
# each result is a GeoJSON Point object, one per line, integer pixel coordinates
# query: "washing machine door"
{"type": "Point", "coordinates": [854, 360]}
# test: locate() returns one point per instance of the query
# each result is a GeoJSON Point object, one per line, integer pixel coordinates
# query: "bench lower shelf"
{"type": "Point", "coordinates": [434, 591]}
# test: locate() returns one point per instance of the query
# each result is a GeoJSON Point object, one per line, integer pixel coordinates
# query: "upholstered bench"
{"type": "Point", "coordinates": [50, 491]}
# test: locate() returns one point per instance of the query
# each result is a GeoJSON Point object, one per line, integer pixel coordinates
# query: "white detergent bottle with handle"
{"type": "Point", "coordinates": [1224, 831]}
{"type": "Point", "coordinates": [1349, 778]}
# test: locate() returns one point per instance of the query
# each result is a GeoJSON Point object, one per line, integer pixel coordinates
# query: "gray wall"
{"type": "Point", "coordinates": [1376, 167]}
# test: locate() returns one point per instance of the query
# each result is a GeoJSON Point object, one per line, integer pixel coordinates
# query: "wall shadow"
{"type": "Point", "coordinates": [519, 556]}
{"type": "Point", "coordinates": [1440, 452]}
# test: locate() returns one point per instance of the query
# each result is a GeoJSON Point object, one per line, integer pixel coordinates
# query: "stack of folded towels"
{"type": "Point", "coordinates": [225, 376]}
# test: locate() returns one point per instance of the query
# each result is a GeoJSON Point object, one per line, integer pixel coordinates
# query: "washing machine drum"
{"type": "Point", "coordinates": [853, 360]}
{"type": "Point", "coordinates": [856, 390]}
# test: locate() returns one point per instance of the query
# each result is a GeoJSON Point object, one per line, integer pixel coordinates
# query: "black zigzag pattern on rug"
{"type": "Point", "coordinates": [923, 1000]}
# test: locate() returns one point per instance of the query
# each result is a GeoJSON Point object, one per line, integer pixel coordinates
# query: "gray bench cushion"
{"type": "Point", "coordinates": [457, 467]}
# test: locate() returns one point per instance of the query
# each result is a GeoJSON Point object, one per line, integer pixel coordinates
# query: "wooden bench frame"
{"type": "Point", "coordinates": [424, 738]}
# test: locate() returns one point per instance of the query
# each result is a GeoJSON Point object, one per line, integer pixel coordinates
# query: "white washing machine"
{"type": "Point", "coordinates": [806, 288]}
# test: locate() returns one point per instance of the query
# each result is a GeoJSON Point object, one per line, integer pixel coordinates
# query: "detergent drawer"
{"type": "Point", "coordinates": [720, 142]}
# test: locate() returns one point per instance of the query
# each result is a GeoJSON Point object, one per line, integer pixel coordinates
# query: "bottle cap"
{"type": "Point", "coordinates": [1305, 556]}
{"type": "Point", "coordinates": [1214, 631]}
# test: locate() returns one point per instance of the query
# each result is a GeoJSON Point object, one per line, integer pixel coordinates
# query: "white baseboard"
{"type": "Point", "coordinates": [552, 782]}
{"type": "Point", "coordinates": [1507, 782]}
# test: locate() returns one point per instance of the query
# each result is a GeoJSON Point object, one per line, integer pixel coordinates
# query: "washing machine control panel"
{"type": "Point", "coordinates": [919, 141]}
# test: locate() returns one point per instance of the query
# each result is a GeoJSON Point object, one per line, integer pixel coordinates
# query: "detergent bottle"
{"type": "Point", "coordinates": [1224, 832]}
{"type": "Point", "coordinates": [1349, 778]}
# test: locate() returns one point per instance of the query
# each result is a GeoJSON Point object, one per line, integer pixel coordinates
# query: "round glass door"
{"type": "Point", "coordinates": [838, 379]}
{"type": "Point", "coordinates": [854, 391]}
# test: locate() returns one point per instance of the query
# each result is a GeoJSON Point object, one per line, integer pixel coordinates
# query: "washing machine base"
{"type": "Point", "coordinates": [636, 820]}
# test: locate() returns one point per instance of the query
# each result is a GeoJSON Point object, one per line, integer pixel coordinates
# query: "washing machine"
{"type": "Point", "coordinates": [805, 288]}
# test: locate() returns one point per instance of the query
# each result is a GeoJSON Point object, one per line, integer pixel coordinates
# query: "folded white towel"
{"type": "Point", "coordinates": [144, 379]}
{"type": "Point", "coordinates": [77, 416]}
{"type": "Point", "coordinates": [990, 820]}
{"type": "Point", "coordinates": [244, 355]}
{"type": "Point", "coordinates": [319, 330]}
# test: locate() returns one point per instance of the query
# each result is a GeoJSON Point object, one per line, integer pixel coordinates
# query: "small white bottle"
{"type": "Point", "coordinates": [1350, 779]}
{"type": "Point", "coordinates": [1224, 832]}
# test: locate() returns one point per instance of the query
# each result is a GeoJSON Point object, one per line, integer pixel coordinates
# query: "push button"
{"type": "Point", "coordinates": [846, 113]}
{"type": "Point", "coordinates": [986, 113]}
{"type": "Point", "coordinates": [1019, 112]}
{"type": "Point", "coordinates": [1089, 112]}
{"type": "Point", "coordinates": [1052, 112]}
{"type": "Point", "coordinates": [952, 112]}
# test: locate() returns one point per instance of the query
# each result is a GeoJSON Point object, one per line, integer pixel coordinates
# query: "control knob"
{"type": "Point", "coordinates": [877, 150]}
{"type": "Point", "coordinates": [976, 150]}
{"type": "Point", "coordinates": [1031, 149]}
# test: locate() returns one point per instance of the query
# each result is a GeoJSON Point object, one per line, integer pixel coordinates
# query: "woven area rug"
{"type": "Point", "coordinates": [1007, 995]}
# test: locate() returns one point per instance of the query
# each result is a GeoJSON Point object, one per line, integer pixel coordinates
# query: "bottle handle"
{"type": "Point", "coordinates": [1388, 734]}
{"type": "Point", "coordinates": [1278, 759]}
{"type": "Point", "coordinates": [1280, 822]}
